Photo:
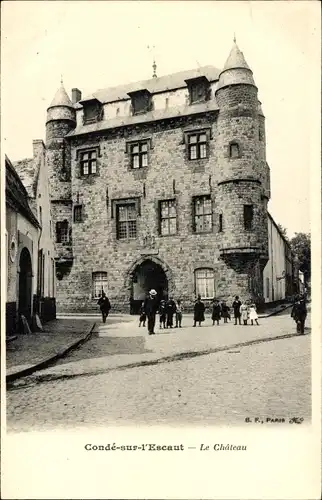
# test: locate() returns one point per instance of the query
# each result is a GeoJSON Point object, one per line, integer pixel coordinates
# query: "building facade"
{"type": "Point", "coordinates": [280, 277]}
{"type": "Point", "coordinates": [30, 250]}
{"type": "Point", "coordinates": [160, 184]}
{"type": "Point", "coordinates": [22, 229]}
{"type": "Point", "coordinates": [34, 175]}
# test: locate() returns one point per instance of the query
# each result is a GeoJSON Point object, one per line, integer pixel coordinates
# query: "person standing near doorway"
{"type": "Point", "coordinates": [163, 313]}
{"type": "Point", "coordinates": [104, 305]}
{"type": "Point", "coordinates": [171, 310]}
{"type": "Point", "coordinates": [199, 311]}
{"type": "Point", "coordinates": [236, 308]}
{"type": "Point", "coordinates": [142, 319]}
{"type": "Point", "coordinates": [150, 307]}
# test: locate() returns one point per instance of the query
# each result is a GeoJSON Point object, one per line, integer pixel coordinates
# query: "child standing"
{"type": "Point", "coordinates": [178, 313]}
{"type": "Point", "coordinates": [142, 315]}
{"type": "Point", "coordinates": [244, 312]}
{"type": "Point", "coordinates": [253, 316]}
{"type": "Point", "coordinates": [162, 313]}
{"type": "Point", "coordinates": [225, 311]}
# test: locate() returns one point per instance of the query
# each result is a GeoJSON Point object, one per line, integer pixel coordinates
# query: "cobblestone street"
{"type": "Point", "coordinates": [96, 386]}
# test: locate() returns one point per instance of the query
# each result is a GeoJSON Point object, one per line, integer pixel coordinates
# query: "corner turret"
{"type": "Point", "coordinates": [61, 116]}
{"type": "Point", "coordinates": [242, 181]}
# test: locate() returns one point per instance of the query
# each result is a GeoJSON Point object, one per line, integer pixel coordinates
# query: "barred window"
{"type": "Point", "coordinates": [139, 155]}
{"type": "Point", "coordinates": [126, 221]}
{"type": "Point", "coordinates": [202, 214]}
{"type": "Point", "coordinates": [197, 146]}
{"type": "Point", "coordinates": [205, 283]}
{"type": "Point", "coordinates": [62, 232]}
{"type": "Point", "coordinates": [168, 217]}
{"type": "Point", "coordinates": [88, 162]}
{"type": "Point", "coordinates": [99, 284]}
{"type": "Point", "coordinates": [248, 217]}
{"type": "Point", "coordinates": [78, 213]}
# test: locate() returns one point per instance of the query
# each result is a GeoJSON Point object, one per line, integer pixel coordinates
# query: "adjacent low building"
{"type": "Point", "coordinates": [29, 246]}
{"type": "Point", "coordinates": [280, 276]}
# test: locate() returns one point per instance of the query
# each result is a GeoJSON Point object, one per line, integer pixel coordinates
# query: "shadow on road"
{"type": "Point", "coordinates": [100, 347]}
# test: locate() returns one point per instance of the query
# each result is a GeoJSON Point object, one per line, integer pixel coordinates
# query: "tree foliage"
{"type": "Point", "coordinates": [301, 246]}
{"type": "Point", "coordinates": [283, 230]}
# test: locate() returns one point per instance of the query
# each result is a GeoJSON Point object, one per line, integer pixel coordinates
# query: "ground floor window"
{"type": "Point", "coordinates": [205, 283]}
{"type": "Point", "coordinates": [99, 281]}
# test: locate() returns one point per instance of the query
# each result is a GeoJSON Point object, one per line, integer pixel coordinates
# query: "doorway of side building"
{"type": "Point", "coordinates": [146, 276]}
{"type": "Point", "coordinates": [25, 285]}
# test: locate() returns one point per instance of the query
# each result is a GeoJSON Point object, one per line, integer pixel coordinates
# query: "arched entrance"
{"type": "Point", "coordinates": [147, 275]}
{"type": "Point", "coordinates": [25, 284]}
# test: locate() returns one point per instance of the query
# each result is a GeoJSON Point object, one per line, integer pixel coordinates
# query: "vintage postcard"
{"type": "Point", "coordinates": [161, 250]}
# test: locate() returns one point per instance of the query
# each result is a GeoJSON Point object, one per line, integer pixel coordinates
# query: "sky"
{"type": "Point", "coordinates": [96, 45]}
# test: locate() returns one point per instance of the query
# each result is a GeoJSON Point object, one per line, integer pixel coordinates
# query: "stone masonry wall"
{"type": "Point", "coordinates": [169, 175]}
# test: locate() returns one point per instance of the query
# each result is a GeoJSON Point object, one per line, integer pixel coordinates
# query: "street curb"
{"type": "Point", "coordinates": [52, 359]}
{"type": "Point", "coordinates": [274, 313]}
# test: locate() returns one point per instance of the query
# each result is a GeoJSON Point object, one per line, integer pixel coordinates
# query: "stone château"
{"type": "Point", "coordinates": [161, 183]}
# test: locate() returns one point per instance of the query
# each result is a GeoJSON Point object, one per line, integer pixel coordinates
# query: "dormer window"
{"type": "Point", "coordinates": [199, 89]}
{"type": "Point", "coordinates": [141, 101]}
{"type": "Point", "coordinates": [93, 111]}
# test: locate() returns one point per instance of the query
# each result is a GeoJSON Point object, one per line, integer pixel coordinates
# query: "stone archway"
{"type": "Point", "coordinates": [146, 273]}
{"type": "Point", "coordinates": [25, 284]}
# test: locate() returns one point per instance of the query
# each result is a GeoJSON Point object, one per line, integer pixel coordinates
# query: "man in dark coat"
{"type": "Point", "coordinates": [150, 307]}
{"type": "Point", "coordinates": [199, 311]}
{"type": "Point", "coordinates": [171, 309]}
{"type": "Point", "coordinates": [105, 306]}
{"type": "Point", "coordinates": [299, 313]}
{"type": "Point", "coordinates": [236, 308]}
{"type": "Point", "coordinates": [216, 312]}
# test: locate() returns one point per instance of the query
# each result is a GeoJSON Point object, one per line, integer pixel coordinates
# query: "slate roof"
{"type": "Point", "coordinates": [154, 85]}
{"type": "Point", "coordinates": [16, 194]}
{"type": "Point", "coordinates": [160, 114]}
{"type": "Point", "coordinates": [236, 59]}
{"type": "Point", "coordinates": [28, 171]}
{"type": "Point", "coordinates": [61, 98]}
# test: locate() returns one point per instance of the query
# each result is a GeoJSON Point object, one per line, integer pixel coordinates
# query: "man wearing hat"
{"type": "Point", "coordinates": [150, 307]}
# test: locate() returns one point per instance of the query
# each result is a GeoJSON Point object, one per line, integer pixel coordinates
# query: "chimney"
{"type": "Point", "coordinates": [76, 95]}
{"type": "Point", "coordinates": [38, 147]}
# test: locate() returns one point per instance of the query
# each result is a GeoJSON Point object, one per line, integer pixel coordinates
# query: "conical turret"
{"type": "Point", "coordinates": [236, 70]}
{"type": "Point", "coordinates": [61, 115]}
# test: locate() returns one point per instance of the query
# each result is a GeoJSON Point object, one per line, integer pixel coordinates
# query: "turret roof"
{"type": "Point", "coordinates": [61, 98]}
{"type": "Point", "coordinates": [236, 59]}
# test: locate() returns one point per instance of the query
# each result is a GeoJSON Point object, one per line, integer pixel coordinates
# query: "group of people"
{"type": "Point", "coordinates": [243, 311]}
{"type": "Point", "coordinates": [170, 312]}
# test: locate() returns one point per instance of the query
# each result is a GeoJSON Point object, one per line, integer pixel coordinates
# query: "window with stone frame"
{"type": "Point", "coordinates": [234, 150]}
{"type": "Point", "coordinates": [248, 217]}
{"type": "Point", "coordinates": [99, 284]}
{"type": "Point", "coordinates": [88, 162]}
{"type": "Point", "coordinates": [62, 232]}
{"type": "Point", "coordinates": [167, 217]}
{"type": "Point", "coordinates": [205, 283]}
{"type": "Point", "coordinates": [202, 214]}
{"type": "Point", "coordinates": [126, 221]}
{"type": "Point", "coordinates": [139, 154]}
{"type": "Point", "coordinates": [197, 144]}
{"type": "Point", "coordinates": [78, 213]}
